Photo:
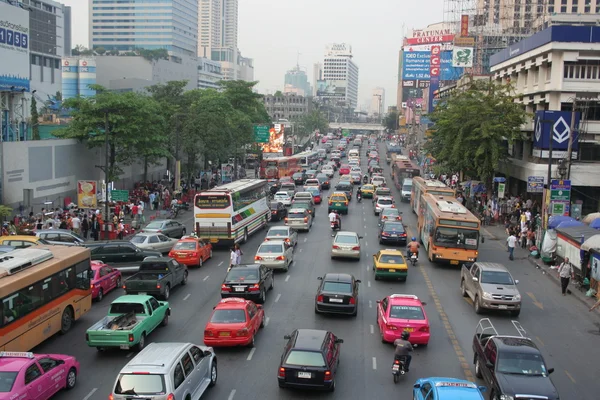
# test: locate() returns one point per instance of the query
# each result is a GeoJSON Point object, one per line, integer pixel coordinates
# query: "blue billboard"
{"type": "Point", "coordinates": [14, 48]}
{"type": "Point", "coordinates": [559, 123]}
{"type": "Point", "coordinates": [416, 64]}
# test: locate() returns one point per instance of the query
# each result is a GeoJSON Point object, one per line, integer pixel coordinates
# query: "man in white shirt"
{"type": "Point", "coordinates": [528, 215]}
{"type": "Point", "coordinates": [76, 224]}
{"type": "Point", "coordinates": [333, 217]}
{"type": "Point", "coordinates": [141, 212]}
{"type": "Point", "coordinates": [511, 241]}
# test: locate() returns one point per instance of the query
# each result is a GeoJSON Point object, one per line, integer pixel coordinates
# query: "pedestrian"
{"type": "Point", "coordinates": [524, 231]}
{"type": "Point", "coordinates": [530, 238]}
{"type": "Point", "coordinates": [85, 226]}
{"type": "Point", "coordinates": [565, 272]}
{"type": "Point", "coordinates": [511, 242]}
{"type": "Point", "coordinates": [76, 224]}
{"type": "Point", "coordinates": [152, 198]}
{"type": "Point", "coordinates": [95, 227]}
{"type": "Point", "coordinates": [141, 212]}
{"type": "Point", "coordinates": [232, 257]}
{"type": "Point", "coordinates": [239, 253]}
{"type": "Point", "coordinates": [120, 230]}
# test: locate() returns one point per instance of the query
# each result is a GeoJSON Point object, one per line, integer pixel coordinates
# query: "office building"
{"type": "Point", "coordinates": [377, 102]}
{"type": "Point", "coordinates": [296, 81]}
{"type": "Point", "coordinates": [130, 25]}
{"type": "Point", "coordinates": [317, 76]}
{"type": "Point", "coordinates": [209, 74]}
{"type": "Point", "coordinates": [340, 74]}
{"type": "Point", "coordinates": [290, 106]}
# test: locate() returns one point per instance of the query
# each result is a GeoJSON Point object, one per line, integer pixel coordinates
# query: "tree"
{"type": "Point", "coordinates": [391, 121]}
{"type": "Point", "coordinates": [314, 120]}
{"type": "Point", "coordinates": [35, 125]}
{"type": "Point", "coordinates": [471, 127]}
{"type": "Point", "coordinates": [278, 93]}
{"type": "Point", "coordinates": [242, 97]}
{"type": "Point", "coordinates": [5, 212]}
{"type": "Point", "coordinates": [100, 50]}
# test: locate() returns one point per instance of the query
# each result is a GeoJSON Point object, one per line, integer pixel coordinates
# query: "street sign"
{"type": "Point", "coordinates": [535, 184]}
{"type": "Point", "coordinates": [119, 195]}
{"type": "Point", "coordinates": [560, 197]}
{"type": "Point", "coordinates": [261, 133]}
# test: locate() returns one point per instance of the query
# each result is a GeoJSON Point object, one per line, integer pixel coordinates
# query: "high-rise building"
{"type": "Point", "coordinates": [131, 25]}
{"type": "Point", "coordinates": [340, 74]}
{"type": "Point", "coordinates": [377, 105]}
{"type": "Point", "coordinates": [317, 76]}
{"type": "Point", "coordinates": [296, 81]}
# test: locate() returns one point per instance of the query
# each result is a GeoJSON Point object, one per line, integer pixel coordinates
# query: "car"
{"type": "Point", "coordinates": [346, 187]}
{"type": "Point", "coordinates": [491, 287]}
{"type": "Point", "coordinates": [22, 241]}
{"type": "Point", "coordinates": [153, 241]}
{"type": "Point", "coordinates": [167, 227]}
{"type": "Point", "coordinates": [356, 177]}
{"type": "Point", "coordinates": [285, 179]}
{"type": "Point", "coordinates": [338, 201]}
{"type": "Point", "coordinates": [328, 170]}
{"type": "Point", "coordinates": [344, 169]}
{"type": "Point", "coordinates": [378, 181]}
{"type": "Point", "coordinates": [337, 294]}
{"type": "Point", "coordinates": [299, 178]}
{"type": "Point", "coordinates": [234, 322]}
{"type": "Point", "coordinates": [316, 194]}
{"type": "Point", "coordinates": [303, 196]}
{"type": "Point", "coordinates": [397, 313]}
{"type": "Point", "coordinates": [307, 205]}
{"type": "Point", "coordinates": [249, 281]}
{"type": "Point", "coordinates": [191, 251]}
{"type": "Point", "coordinates": [289, 188]}
{"type": "Point", "coordinates": [355, 162]}
{"type": "Point", "coordinates": [438, 388]}
{"type": "Point", "coordinates": [167, 371]}
{"type": "Point", "coordinates": [346, 179]}
{"type": "Point", "coordinates": [381, 191]}
{"type": "Point", "coordinates": [60, 236]}
{"type": "Point", "coordinates": [299, 218]}
{"type": "Point", "coordinates": [25, 375]}
{"type": "Point", "coordinates": [337, 162]}
{"type": "Point", "coordinates": [355, 168]}
{"type": "Point", "coordinates": [373, 154]}
{"type": "Point", "coordinates": [346, 245]}
{"type": "Point", "coordinates": [324, 180]}
{"type": "Point", "coordinates": [120, 254]}
{"type": "Point", "coordinates": [390, 263]}
{"type": "Point", "coordinates": [389, 214]}
{"type": "Point", "coordinates": [382, 203]}
{"type": "Point", "coordinates": [273, 185]}
{"type": "Point", "coordinates": [285, 233]}
{"type": "Point", "coordinates": [104, 279]}
{"type": "Point", "coordinates": [392, 232]}
{"type": "Point", "coordinates": [367, 190]}
{"type": "Point", "coordinates": [275, 254]}
{"type": "Point", "coordinates": [6, 249]}
{"type": "Point", "coordinates": [283, 198]}
{"type": "Point", "coordinates": [312, 182]}
{"type": "Point", "coordinates": [310, 360]}
{"type": "Point", "coordinates": [278, 210]}
{"type": "Point", "coordinates": [310, 174]}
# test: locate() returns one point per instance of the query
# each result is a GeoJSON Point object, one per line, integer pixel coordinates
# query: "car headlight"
{"type": "Point", "coordinates": [506, 397]}
{"type": "Point", "coordinates": [517, 297]}
{"type": "Point", "coordinates": [487, 296]}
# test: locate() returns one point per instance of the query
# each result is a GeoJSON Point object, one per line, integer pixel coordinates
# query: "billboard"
{"type": "Point", "coordinates": [78, 73]}
{"type": "Point", "coordinates": [462, 57]}
{"type": "Point", "coordinates": [427, 47]}
{"type": "Point", "coordinates": [416, 65]}
{"type": "Point", "coordinates": [14, 48]}
{"type": "Point", "coordinates": [431, 35]}
{"type": "Point", "coordinates": [331, 88]}
{"type": "Point", "coordinates": [276, 140]}
{"type": "Point", "coordinates": [559, 123]}
{"type": "Point", "coordinates": [86, 194]}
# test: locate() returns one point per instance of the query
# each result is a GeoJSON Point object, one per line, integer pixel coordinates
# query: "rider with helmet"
{"type": "Point", "coordinates": [403, 349]}
{"type": "Point", "coordinates": [359, 194]}
{"type": "Point", "coordinates": [413, 247]}
{"type": "Point", "coordinates": [335, 217]}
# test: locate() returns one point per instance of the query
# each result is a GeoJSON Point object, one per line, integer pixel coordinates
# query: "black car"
{"type": "Point", "coordinates": [345, 187]}
{"type": "Point", "coordinates": [299, 178]}
{"type": "Point", "coordinates": [337, 161]}
{"type": "Point", "coordinates": [324, 180]}
{"type": "Point", "coordinates": [120, 254]}
{"type": "Point", "coordinates": [278, 211]}
{"type": "Point", "coordinates": [392, 232]}
{"type": "Point", "coordinates": [310, 360]}
{"type": "Point", "coordinates": [249, 281]}
{"type": "Point", "coordinates": [337, 294]}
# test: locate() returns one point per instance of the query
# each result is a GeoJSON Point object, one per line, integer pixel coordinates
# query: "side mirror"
{"type": "Point", "coordinates": [550, 370]}
{"type": "Point", "coordinates": [475, 279]}
{"type": "Point", "coordinates": [424, 303]}
{"type": "Point", "coordinates": [207, 353]}
{"type": "Point", "coordinates": [378, 301]}
{"type": "Point", "coordinates": [339, 340]}
{"type": "Point", "coordinates": [482, 389]}
{"type": "Point", "coordinates": [482, 239]}
{"type": "Point", "coordinates": [516, 281]}
{"type": "Point", "coordinates": [417, 385]}
{"type": "Point", "coordinates": [288, 337]}
{"type": "Point", "coordinates": [489, 365]}
{"type": "Point", "coordinates": [320, 278]}
{"type": "Point", "coordinates": [358, 281]}
{"type": "Point", "coordinates": [360, 237]}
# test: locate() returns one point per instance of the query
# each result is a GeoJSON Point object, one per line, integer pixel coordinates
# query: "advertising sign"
{"type": "Point", "coordinates": [560, 197]}
{"type": "Point", "coordinates": [555, 124]}
{"type": "Point", "coordinates": [535, 184]}
{"type": "Point", "coordinates": [462, 57]}
{"type": "Point", "coordinates": [464, 25]}
{"type": "Point", "coordinates": [261, 133]}
{"type": "Point", "coordinates": [431, 35]}
{"type": "Point", "coordinates": [14, 48]}
{"type": "Point", "coordinates": [331, 88]}
{"type": "Point", "coordinates": [427, 47]}
{"type": "Point", "coordinates": [416, 66]}
{"type": "Point", "coordinates": [501, 190]}
{"type": "Point", "coordinates": [86, 194]}
{"type": "Point", "coordinates": [435, 62]}
{"type": "Point", "coordinates": [119, 195]}
{"type": "Point", "coordinates": [276, 140]}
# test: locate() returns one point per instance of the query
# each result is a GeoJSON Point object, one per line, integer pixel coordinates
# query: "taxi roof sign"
{"type": "Point", "coordinates": [469, 385]}
{"type": "Point", "coordinates": [17, 354]}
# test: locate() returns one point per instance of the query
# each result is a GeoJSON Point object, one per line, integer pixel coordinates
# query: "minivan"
{"type": "Point", "coordinates": [406, 190]}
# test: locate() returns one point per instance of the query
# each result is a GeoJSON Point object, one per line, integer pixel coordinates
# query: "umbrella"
{"type": "Point", "coordinates": [591, 243]}
{"type": "Point", "coordinates": [557, 219]}
{"type": "Point", "coordinates": [591, 217]}
{"type": "Point", "coordinates": [595, 224]}
{"type": "Point", "coordinates": [570, 224]}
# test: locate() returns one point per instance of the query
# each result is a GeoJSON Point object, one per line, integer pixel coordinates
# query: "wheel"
{"type": "Point", "coordinates": [463, 289]}
{"type": "Point", "coordinates": [66, 320]}
{"type": "Point", "coordinates": [478, 368]}
{"type": "Point", "coordinates": [71, 379]}
{"type": "Point", "coordinates": [183, 232]}
{"type": "Point", "coordinates": [316, 311]}
{"type": "Point", "coordinates": [213, 374]}
{"type": "Point", "coordinates": [167, 293]}
{"type": "Point", "coordinates": [142, 343]}
{"type": "Point", "coordinates": [200, 262]}
{"type": "Point", "coordinates": [477, 306]}
{"type": "Point", "coordinates": [100, 295]}
{"type": "Point", "coordinates": [185, 278]}
{"type": "Point", "coordinates": [396, 378]}
{"type": "Point", "coordinates": [272, 283]}
{"type": "Point", "coordinates": [332, 388]}
{"type": "Point", "coordinates": [251, 344]}
{"type": "Point", "coordinates": [376, 277]}
{"type": "Point", "coordinates": [245, 236]}
{"type": "Point", "coordinates": [355, 313]}
{"type": "Point", "coordinates": [165, 320]}
{"type": "Point", "coordinates": [263, 296]}
{"type": "Point", "coordinates": [262, 322]}
{"type": "Point", "coordinates": [515, 313]}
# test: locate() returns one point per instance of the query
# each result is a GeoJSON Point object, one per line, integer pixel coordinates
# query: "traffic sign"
{"type": "Point", "coordinates": [261, 133]}
{"type": "Point", "coordinates": [119, 195]}
{"type": "Point", "coordinates": [560, 197]}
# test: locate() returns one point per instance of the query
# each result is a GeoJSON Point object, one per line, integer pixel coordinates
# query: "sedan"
{"type": "Point", "coordinates": [249, 281]}
{"type": "Point", "coordinates": [344, 169]}
{"type": "Point", "coordinates": [299, 178]}
{"type": "Point", "coordinates": [316, 194]}
{"type": "Point", "coordinates": [60, 236]}
{"type": "Point", "coordinates": [104, 280]}
{"type": "Point", "coordinates": [275, 254]}
{"type": "Point", "coordinates": [383, 203]}
{"type": "Point", "coordinates": [153, 241]}
{"type": "Point", "coordinates": [389, 214]}
{"type": "Point", "coordinates": [324, 180]}
{"type": "Point", "coordinates": [234, 322]}
{"type": "Point", "coordinates": [402, 312]}
{"type": "Point", "coordinates": [167, 227]}
{"type": "Point", "coordinates": [337, 294]}
{"type": "Point", "coordinates": [356, 177]}
{"type": "Point", "coordinates": [327, 170]}
{"type": "Point", "coordinates": [287, 234]}
{"type": "Point", "coordinates": [191, 251]}
{"type": "Point", "coordinates": [278, 211]}
{"type": "Point", "coordinates": [283, 198]}
{"type": "Point", "coordinates": [346, 245]}
{"type": "Point", "coordinates": [392, 232]}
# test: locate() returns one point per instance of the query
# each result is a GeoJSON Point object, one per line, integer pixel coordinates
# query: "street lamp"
{"type": "Point", "coordinates": [107, 112]}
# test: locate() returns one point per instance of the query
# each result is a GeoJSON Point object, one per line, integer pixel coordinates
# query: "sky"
{"type": "Point", "coordinates": [277, 34]}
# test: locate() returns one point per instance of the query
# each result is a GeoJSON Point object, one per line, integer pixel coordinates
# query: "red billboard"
{"type": "Point", "coordinates": [430, 39]}
{"type": "Point", "coordinates": [435, 61]}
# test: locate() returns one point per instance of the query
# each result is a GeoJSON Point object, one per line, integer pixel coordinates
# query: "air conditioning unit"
{"type": "Point", "coordinates": [18, 260]}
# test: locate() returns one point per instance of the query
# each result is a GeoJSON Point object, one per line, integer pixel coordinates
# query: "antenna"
{"type": "Point", "coordinates": [298, 60]}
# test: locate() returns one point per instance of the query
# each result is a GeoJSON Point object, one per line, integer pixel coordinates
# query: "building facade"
{"type": "Point", "coordinates": [209, 74]}
{"type": "Point", "coordinates": [78, 73]}
{"type": "Point", "coordinates": [377, 105]}
{"type": "Point", "coordinates": [289, 106]}
{"type": "Point", "coordinates": [341, 72]}
{"type": "Point", "coordinates": [127, 26]}
{"type": "Point", "coordinates": [296, 81]}
{"type": "Point", "coordinates": [317, 76]}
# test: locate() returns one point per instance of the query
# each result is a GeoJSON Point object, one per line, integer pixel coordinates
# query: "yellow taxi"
{"type": "Point", "coordinates": [21, 241]}
{"type": "Point", "coordinates": [367, 190]}
{"type": "Point", "coordinates": [390, 264]}
{"type": "Point", "coordinates": [338, 201]}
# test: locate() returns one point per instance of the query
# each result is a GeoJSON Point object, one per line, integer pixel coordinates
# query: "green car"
{"type": "Point", "coordinates": [338, 202]}
{"type": "Point", "coordinates": [130, 320]}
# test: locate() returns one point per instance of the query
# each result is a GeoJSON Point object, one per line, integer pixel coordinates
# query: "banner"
{"type": "Point", "coordinates": [416, 65]}
{"type": "Point", "coordinates": [86, 194]}
{"type": "Point", "coordinates": [435, 62]}
{"type": "Point", "coordinates": [276, 140]}
{"type": "Point", "coordinates": [331, 88]}
{"type": "Point", "coordinates": [14, 48]}
{"type": "Point", "coordinates": [464, 25]}
{"type": "Point", "coordinates": [555, 124]}
{"type": "Point", "coordinates": [535, 184]}
{"type": "Point", "coordinates": [462, 57]}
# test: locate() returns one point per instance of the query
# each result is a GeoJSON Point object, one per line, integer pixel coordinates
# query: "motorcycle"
{"type": "Point", "coordinates": [365, 179]}
{"type": "Point", "coordinates": [335, 226]}
{"type": "Point", "coordinates": [358, 197]}
{"type": "Point", "coordinates": [398, 369]}
{"type": "Point", "coordinates": [414, 259]}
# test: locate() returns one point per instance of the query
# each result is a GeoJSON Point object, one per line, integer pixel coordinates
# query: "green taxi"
{"type": "Point", "coordinates": [367, 190]}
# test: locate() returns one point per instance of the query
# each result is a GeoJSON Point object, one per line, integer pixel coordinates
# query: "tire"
{"type": "Point", "coordinates": [263, 296]}
{"type": "Point", "coordinates": [317, 311]}
{"type": "Point", "coordinates": [100, 295]}
{"type": "Point", "coordinates": [477, 306]}
{"type": "Point", "coordinates": [142, 343]}
{"type": "Point", "coordinates": [245, 239]}
{"type": "Point", "coordinates": [332, 388]}
{"type": "Point", "coordinates": [200, 262]}
{"type": "Point", "coordinates": [355, 313]}
{"type": "Point", "coordinates": [185, 278]}
{"type": "Point", "coordinates": [272, 284]}
{"type": "Point", "coordinates": [478, 368]}
{"type": "Point", "coordinates": [165, 320]}
{"type": "Point", "coordinates": [66, 321]}
{"type": "Point", "coordinates": [210, 254]}
{"type": "Point", "coordinates": [119, 285]}
{"type": "Point", "coordinates": [396, 378]}
{"type": "Point", "coordinates": [167, 293]}
{"type": "Point", "coordinates": [213, 374]}
{"type": "Point", "coordinates": [71, 379]}
{"type": "Point", "coordinates": [183, 232]}
{"type": "Point", "coordinates": [252, 343]}
{"type": "Point", "coordinates": [463, 289]}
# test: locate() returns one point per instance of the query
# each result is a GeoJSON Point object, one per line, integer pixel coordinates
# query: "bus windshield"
{"type": "Point", "coordinates": [456, 237]}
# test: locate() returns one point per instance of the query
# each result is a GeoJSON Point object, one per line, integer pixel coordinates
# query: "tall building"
{"type": "Point", "coordinates": [340, 74]}
{"type": "Point", "coordinates": [290, 106]}
{"type": "Point", "coordinates": [130, 25]}
{"type": "Point", "coordinates": [317, 76]}
{"type": "Point", "coordinates": [209, 74]}
{"type": "Point", "coordinates": [377, 105]}
{"type": "Point", "coordinates": [296, 81]}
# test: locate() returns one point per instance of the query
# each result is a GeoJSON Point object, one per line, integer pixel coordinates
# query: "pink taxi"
{"type": "Point", "coordinates": [105, 279]}
{"type": "Point", "coordinates": [402, 312]}
{"type": "Point", "coordinates": [35, 376]}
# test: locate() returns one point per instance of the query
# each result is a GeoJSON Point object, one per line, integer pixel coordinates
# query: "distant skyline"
{"type": "Point", "coordinates": [374, 32]}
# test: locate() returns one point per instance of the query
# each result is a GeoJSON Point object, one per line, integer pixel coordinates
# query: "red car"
{"type": "Point", "coordinates": [402, 312]}
{"type": "Point", "coordinates": [191, 251]}
{"type": "Point", "coordinates": [234, 322]}
{"type": "Point", "coordinates": [344, 169]}
{"type": "Point", "coordinates": [105, 279]}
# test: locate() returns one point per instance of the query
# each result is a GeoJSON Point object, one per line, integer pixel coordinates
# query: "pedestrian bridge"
{"type": "Point", "coordinates": [361, 126]}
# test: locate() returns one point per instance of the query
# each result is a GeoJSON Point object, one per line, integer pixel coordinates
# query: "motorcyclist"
{"type": "Point", "coordinates": [413, 247]}
{"type": "Point", "coordinates": [403, 349]}
{"type": "Point", "coordinates": [359, 194]}
{"type": "Point", "coordinates": [335, 218]}
{"type": "Point", "coordinates": [366, 178]}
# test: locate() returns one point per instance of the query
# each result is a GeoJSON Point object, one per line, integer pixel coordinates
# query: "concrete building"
{"type": "Point", "coordinates": [296, 81]}
{"type": "Point", "coordinates": [377, 105]}
{"type": "Point", "coordinates": [553, 70]}
{"type": "Point", "coordinates": [127, 26]}
{"type": "Point", "coordinates": [289, 106]}
{"type": "Point", "coordinates": [245, 68]}
{"type": "Point", "coordinates": [341, 73]}
{"type": "Point", "coordinates": [209, 74]}
{"type": "Point", "coordinates": [317, 76]}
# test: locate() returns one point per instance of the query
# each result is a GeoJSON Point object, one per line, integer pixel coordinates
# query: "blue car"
{"type": "Point", "coordinates": [446, 389]}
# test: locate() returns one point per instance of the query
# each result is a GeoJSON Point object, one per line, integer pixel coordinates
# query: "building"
{"type": "Point", "coordinates": [340, 74]}
{"type": "Point", "coordinates": [377, 105]}
{"type": "Point", "coordinates": [289, 106]}
{"type": "Point", "coordinates": [555, 70]}
{"type": "Point", "coordinates": [209, 74]}
{"type": "Point", "coordinates": [78, 73]}
{"type": "Point", "coordinates": [296, 81]}
{"type": "Point", "coordinates": [317, 76]}
{"type": "Point", "coordinates": [130, 25]}
{"type": "Point", "coordinates": [245, 68]}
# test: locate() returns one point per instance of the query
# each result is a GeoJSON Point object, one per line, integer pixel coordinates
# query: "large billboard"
{"type": "Point", "coordinates": [559, 124]}
{"type": "Point", "coordinates": [276, 140]}
{"type": "Point", "coordinates": [331, 88]}
{"type": "Point", "coordinates": [416, 66]}
{"type": "Point", "coordinates": [78, 73]}
{"type": "Point", "coordinates": [438, 33]}
{"type": "Point", "coordinates": [14, 48]}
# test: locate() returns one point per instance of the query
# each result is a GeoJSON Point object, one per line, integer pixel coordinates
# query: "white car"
{"type": "Point", "coordinates": [354, 163]}
{"type": "Point", "coordinates": [378, 181]}
{"type": "Point", "coordinates": [313, 183]}
{"type": "Point", "coordinates": [346, 245]}
{"type": "Point", "coordinates": [275, 254]}
{"type": "Point", "coordinates": [284, 198]}
{"type": "Point", "coordinates": [383, 203]}
{"type": "Point", "coordinates": [328, 170]}
{"type": "Point", "coordinates": [356, 168]}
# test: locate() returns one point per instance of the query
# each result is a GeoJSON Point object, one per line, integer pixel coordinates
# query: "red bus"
{"type": "Point", "coordinates": [402, 169]}
{"type": "Point", "coordinates": [276, 168]}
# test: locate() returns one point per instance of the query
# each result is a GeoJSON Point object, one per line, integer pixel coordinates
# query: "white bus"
{"type": "Point", "coordinates": [229, 213]}
{"type": "Point", "coordinates": [308, 158]}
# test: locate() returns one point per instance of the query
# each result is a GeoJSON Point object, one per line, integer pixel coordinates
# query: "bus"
{"type": "Point", "coordinates": [392, 149]}
{"type": "Point", "coordinates": [278, 167]}
{"type": "Point", "coordinates": [421, 186]}
{"type": "Point", "coordinates": [308, 159]}
{"type": "Point", "coordinates": [448, 231]}
{"type": "Point", "coordinates": [228, 214]}
{"type": "Point", "coordinates": [402, 169]}
{"type": "Point", "coordinates": [43, 291]}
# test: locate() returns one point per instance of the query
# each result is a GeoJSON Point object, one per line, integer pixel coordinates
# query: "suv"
{"type": "Point", "coordinates": [60, 236]}
{"type": "Point", "coordinates": [120, 254]}
{"type": "Point", "coordinates": [310, 360]}
{"type": "Point", "coordinates": [490, 286]}
{"type": "Point", "coordinates": [182, 370]}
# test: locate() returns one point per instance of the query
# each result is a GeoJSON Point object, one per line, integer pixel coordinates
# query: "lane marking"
{"type": "Point", "coordinates": [187, 296]}
{"type": "Point", "coordinates": [570, 377]}
{"type": "Point", "coordinates": [231, 395]}
{"type": "Point", "coordinates": [90, 394]}
{"type": "Point", "coordinates": [287, 278]}
{"type": "Point", "coordinates": [221, 263]}
{"type": "Point", "coordinates": [538, 304]}
{"type": "Point", "coordinates": [370, 304]}
{"type": "Point", "coordinates": [365, 234]}
{"type": "Point", "coordinates": [372, 328]}
{"type": "Point", "coordinates": [366, 243]}
{"type": "Point", "coordinates": [267, 321]}
{"type": "Point", "coordinates": [305, 239]}
{"type": "Point", "coordinates": [129, 355]}
{"type": "Point", "coordinates": [300, 250]}
{"type": "Point", "coordinates": [369, 283]}
{"type": "Point", "coordinates": [374, 363]}
{"type": "Point", "coordinates": [365, 227]}
{"type": "Point", "coordinates": [206, 278]}
{"type": "Point", "coordinates": [278, 297]}
{"type": "Point", "coordinates": [540, 340]}
{"type": "Point", "coordinates": [251, 354]}
{"type": "Point", "coordinates": [368, 267]}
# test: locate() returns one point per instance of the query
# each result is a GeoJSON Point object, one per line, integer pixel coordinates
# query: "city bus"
{"type": "Point", "coordinates": [278, 167]}
{"type": "Point", "coordinates": [391, 150]}
{"type": "Point", "coordinates": [448, 231]}
{"type": "Point", "coordinates": [308, 159]}
{"type": "Point", "coordinates": [228, 214]}
{"type": "Point", "coordinates": [43, 291]}
{"type": "Point", "coordinates": [421, 186]}
{"type": "Point", "coordinates": [403, 169]}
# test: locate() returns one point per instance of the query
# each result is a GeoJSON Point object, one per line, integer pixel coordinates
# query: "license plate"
{"type": "Point", "coordinates": [124, 347]}
{"type": "Point", "coordinates": [503, 307]}
{"type": "Point", "coordinates": [182, 254]}
{"type": "Point", "coordinates": [392, 270]}
{"type": "Point", "coordinates": [304, 375]}
{"type": "Point", "coordinates": [408, 329]}
{"type": "Point", "coordinates": [269, 258]}
{"type": "Point", "coordinates": [394, 235]}
{"type": "Point", "coordinates": [224, 333]}
{"type": "Point", "coordinates": [214, 240]}
{"type": "Point", "coordinates": [142, 293]}
{"type": "Point", "coordinates": [239, 288]}
{"type": "Point", "coordinates": [338, 204]}
{"type": "Point", "coordinates": [336, 300]}
{"type": "Point", "coordinates": [454, 262]}
{"type": "Point", "coordinates": [396, 367]}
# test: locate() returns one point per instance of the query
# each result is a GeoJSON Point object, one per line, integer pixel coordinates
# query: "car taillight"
{"type": "Point", "coordinates": [305, 219]}
{"type": "Point", "coordinates": [280, 258]}
{"type": "Point", "coordinates": [208, 333]}
{"type": "Point", "coordinates": [159, 231]}
{"type": "Point", "coordinates": [424, 329]}
{"type": "Point", "coordinates": [385, 234]}
{"type": "Point", "coordinates": [130, 337]}
{"type": "Point", "coordinates": [171, 396]}
{"type": "Point", "coordinates": [257, 258]}
{"type": "Point", "coordinates": [327, 376]}
{"type": "Point", "coordinates": [391, 327]}
{"type": "Point", "coordinates": [254, 288]}
{"type": "Point", "coordinates": [346, 202]}
{"type": "Point", "coordinates": [124, 286]}
{"type": "Point", "coordinates": [403, 234]}
{"type": "Point", "coordinates": [393, 206]}
{"type": "Point", "coordinates": [336, 247]}
{"type": "Point", "coordinates": [110, 397]}
{"type": "Point", "coordinates": [92, 286]}
{"type": "Point", "coordinates": [194, 254]}
{"type": "Point", "coordinates": [158, 286]}
{"type": "Point", "coordinates": [320, 298]}
{"type": "Point", "coordinates": [352, 300]}
{"type": "Point", "coordinates": [281, 372]}
{"type": "Point", "coordinates": [171, 254]}
{"type": "Point", "coordinates": [242, 332]}
{"type": "Point", "coordinates": [356, 248]}
{"type": "Point", "coordinates": [225, 288]}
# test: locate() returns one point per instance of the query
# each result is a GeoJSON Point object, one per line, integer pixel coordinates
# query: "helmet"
{"type": "Point", "coordinates": [414, 239]}
{"type": "Point", "coordinates": [405, 335]}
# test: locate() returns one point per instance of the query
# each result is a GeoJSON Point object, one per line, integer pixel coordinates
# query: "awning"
{"type": "Point", "coordinates": [555, 220]}
{"type": "Point", "coordinates": [591, 243]}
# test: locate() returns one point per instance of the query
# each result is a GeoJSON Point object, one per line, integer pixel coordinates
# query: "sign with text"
{"type": "Point", "coordinates": [14, 48]}
{"type": "Point", "coordinates": [416, 65]}
{"type": "Point", "coordinates": [560, 197]}
{"type": "Point", "coordinates": [435, 62]}
{"type": "Point", "coordinates": [430, 39]}
{"type": "Point", "coordinates": [261, 133]}
{"type": "Point", "coordinates": [464, 25]}
{"type": "Point", "coordinates": [555, 125]}
{"type": "Point", "coordinates": [535, 184]}
{"type": "Point", "coordinates": [119, 195]}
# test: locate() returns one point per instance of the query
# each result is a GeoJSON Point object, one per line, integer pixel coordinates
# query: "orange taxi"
{"type": "Point", "coordinates": [234, 322]}
{"type": "Point", "coordinates": [191, 251]}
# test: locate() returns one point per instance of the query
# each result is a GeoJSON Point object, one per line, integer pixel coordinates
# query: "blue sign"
{"type": "Point", "coordinates": [558, 123]}
{"type": "Point", "coordinates": [535, 184]}
{"type": "Point", "coordinates": [434, 85]}
{"type": "Point", "coordinates": [416, 64]}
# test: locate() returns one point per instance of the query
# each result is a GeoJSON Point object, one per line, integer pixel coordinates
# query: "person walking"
{"type": "Point", "coordinates": [76, 224]}
{"type": "Point", "coordinates": [511, 241]}
{"type": "Point", "coordinates": [232, 257]}
{"type": "Point", "coordinates": [95, 228]}
{"type": "Point", "coordinates": [85, 226]}
{"type": "Point", "coordinates": [238, 253]}
{"type": "Point", "coordinates": [565, 272]}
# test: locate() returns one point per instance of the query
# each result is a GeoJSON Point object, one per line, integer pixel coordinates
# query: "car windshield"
{"type": "Point", "coordinates": [343, 186]}
{"type": "Point", "coordinates": [296, 215]}
{"type": "Point", "coordinates": [391, 259]}
{"type": "Point", "coordinates": [338, 198]}
{"type": "Point", "coordinates": [185, 246]}
{"type": "Point", "coordinates": [282, 195]}
{"type": "Point", "coordinates": [385, 202]}
{"type": "Point", "coordinates": [313, 191]}
{"type": "Point", "coordinates": [7, 380]}
{"type": "Point", "coordinates": [521, 364]}
{"type": "Point", "coordinates": [242, 274]}
{"type": "Point", "coordinates": [146, 384]}
{"type": "Point", "coordinates": [407, 312]}
{"type": "Point", "coordinates": [297, 175]}
{"type": "Point", "coordinates": [346, 239]}
{"type": "Point", "coordinates": [393, 226]}
{"type": "Point", "coordinates": [154, 225]}
{"type": "Point", "coordinates": [228, 317]}
{"type": "Point", "coordinates": [278, 232]}
{"type": "Point", "coordinates": [382, 192]}
{"type": "Point", "coordinates": [339, 287]}
{"type": "Point", "coordinates": [390, 212]}
{"type": "Point", "coordinates": [456, 237]}
{"type": "Point", "coordinates": [496, 278]}
{"type": "Point", "coordinates": [305, 358]}
{"type": "Point", "coordinates": [274, 205]}
{"type": "Point", "coordinates": [138, 239]}
{"type": "Point", "coordinates": [406, 188]}
{"type": "Point", "coordinates": [270, 248]}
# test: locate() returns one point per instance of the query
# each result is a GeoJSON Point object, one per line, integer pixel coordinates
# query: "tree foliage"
{"type": "Point", "coordinates": [314, 120]}
{"type": "Point", "coordinates": [35, 124]}
{"type": "Point", "coordinates": [391, 121]}
{"type": "Point", "coordinates": [243, 98]}
{"type": "Point", "coordinates": [471, 127]}
{"type": "Point", "coordinates": [5, 212]}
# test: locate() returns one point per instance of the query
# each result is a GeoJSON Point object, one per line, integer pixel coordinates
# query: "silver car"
{"type": "Point", "coordinates": [167, 227]}
{"type": "Point", "coordinates": [346, 245]}
{"type": "Point", "coordinates": [383, 203]}
{"type": "Point", "coordinates": [153, 241]}
{"type": "Point", "coordinates": [275, 254]}
{"type": "Point", "coordinates": [285, 233]}
{"type": "Point", "coordinates": [299, 218]}
{"type": "Point", "coordinates": [60, 236]}
{"type": "Point", "coordinates": [164, 371]}
{"type": "Point", "coordinates": [303, 196]}
{"type": "Point", "coordinates": [283, 198]}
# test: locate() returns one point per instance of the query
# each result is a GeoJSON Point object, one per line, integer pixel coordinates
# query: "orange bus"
{"type": "Point", "coordinates": [43, 291]}
{"type": "Point", "coordinates": [403, 169]}
{"type": "Point", "coordinates": [448, 231]}
{"type": "Point", "coordinates": [421, 186]}
{"type": "Point", "coordinates": [278, 167]}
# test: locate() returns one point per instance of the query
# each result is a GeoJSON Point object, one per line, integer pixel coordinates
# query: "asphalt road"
{"type": "Point", "coordinates": [560, 325]}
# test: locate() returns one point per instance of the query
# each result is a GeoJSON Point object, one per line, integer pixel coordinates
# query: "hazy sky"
{"type": "Point", "coordinates": [273, 32]}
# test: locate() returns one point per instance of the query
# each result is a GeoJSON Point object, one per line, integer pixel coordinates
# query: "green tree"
{"type": "Point", "coordinates": [100, 50]}
{"type": "Point", "coordinates": [35, 125]}
{"type": "Point", "coordinates": [58, 96]}
{"type": "Point", "coordinates": [391, 121]}
{"type": "Point", "coordinates": [241, 96]}
{"type": "Point", "coordinates": [278, 93]}
{"type": "Point", "coordinates": [312, 121]}
{"type": "Point", "coordinates": [5, 212]}
{"type": "Point", "coordinates": [471, 127]}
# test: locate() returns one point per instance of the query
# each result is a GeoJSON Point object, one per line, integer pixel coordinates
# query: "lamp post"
{"type": "Point", "coordinates": [546, 209]}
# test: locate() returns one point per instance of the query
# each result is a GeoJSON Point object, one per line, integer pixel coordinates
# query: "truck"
{"type": "Point", "coordinates": [130, 319]}
{"type": "Point", "coordinates": [157, 276]}
{"type": "Point", "coordinates": [491, 287]}
{"type": "Point", "coordinates": [512, 366]}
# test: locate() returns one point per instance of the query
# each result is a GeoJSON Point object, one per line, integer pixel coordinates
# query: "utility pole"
{"type": "Point", "coordinates": [571, 130]}
{"type": "Point", "coordinates": [546, 208]}
{"type": "Point", "coordinates": [106, 172]}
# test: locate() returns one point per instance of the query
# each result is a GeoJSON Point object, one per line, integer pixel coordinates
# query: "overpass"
{"type": "Point", "coordinates": [360, 126]}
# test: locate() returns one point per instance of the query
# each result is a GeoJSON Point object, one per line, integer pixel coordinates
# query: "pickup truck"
{"type": "Point", "coordinates": [491, 287]}
{"type": "Point", "coordinates": [156, 277]}
{"type": "Point", "coordinates": [512, 366]}
{"type": "Point", "coordinates": [130, 319]}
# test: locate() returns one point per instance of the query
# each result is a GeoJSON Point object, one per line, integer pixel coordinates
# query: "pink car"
{"type": "Point", "coordinates": [403, 312]}
{"type": "Point", "coordinates": [105, 279]}
{"type": "Point", "coordinates": [35, 376]}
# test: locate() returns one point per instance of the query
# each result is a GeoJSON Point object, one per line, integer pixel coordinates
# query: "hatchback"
{"type": "Point", "coordinates": [356, 177]}
{"type": "Point", "coordinates": [283, 198]}
{"type": "Point", "coordinates": [337, 294]}
{"type": "Point", "coordinates": [104, 279]}
{"type": "Point", "coordinates": [346, 245]}
{"type": "Point", "coordinates": [278, 210]}
{"type": "Point", "coordinates": [234, 322]}
{"type": "Point", "coordinates": [382, 203]}
{"type": "Point", "coordinates": [402, 312]}
{"type": "Point", "coordinates": [249, 281]}
{"type": "Point", "coordinates": [285, 233]}
{"type": "Point", "coordinates": [389, 214]}
{"type": "Point", "coordinates": [328, 170]}
{"type": "Point", "coordinates": [275, 254]}
{"type": "Point", "coordinates": [299, 219]}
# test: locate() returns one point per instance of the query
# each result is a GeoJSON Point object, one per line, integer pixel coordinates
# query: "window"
{"type": "Point", "coordinates": [178, 376]}
{"type": "Point", "coordinates": [126, 249]}
{"type": "Point", "coordinates": [32, 373]}
{"type": "Point", "coordinates": [105, 271]}
{"type": "Point", "coordinates": [197, 354]}
{"type": "Point", "coordinates": [425, 389]}
{"type": "Point", "coordinates": [305, 358]}
{"type": "Point", "coordinates": [188, 364]}
{"type": "Point", "coordinates": [153, 239]}
{"type": "Point", "coordinates": [108, 249]}
{"type": "Point", "coordinates": [47, 363]}
{"type": "Point", "coordinates": [154, 303]}
{"type": "Point", "coordinates": [84, 275]}
{"type": "Point", "coordinates": [252, 311]}
{"type": "Point", "coordinates": [245, 198]}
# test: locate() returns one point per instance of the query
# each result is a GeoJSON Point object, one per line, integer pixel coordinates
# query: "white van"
{"type": "Point", "coordinates": [406, 190]}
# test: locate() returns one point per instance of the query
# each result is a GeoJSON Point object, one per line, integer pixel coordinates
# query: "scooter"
{"type": "Point", "coordinates": [414, 259]}
{"type": "Point", "coordinates": [335, 226]}
{"type": "Point", "coordinates": [398, 369]}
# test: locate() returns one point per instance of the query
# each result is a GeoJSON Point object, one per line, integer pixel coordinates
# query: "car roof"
{"type": "Point", "coordinates": [105, 242]}
{"type": "Point", "coordinates": [155, 259]}
{"type": "Point", "coordinates": [391, 210]}
{"type": "Point", "coordinates": [309, 339]}
{"type": "Point", "coordinates": [188, 239]}
{"type": "Point", "coordinates": [163, 220]}
{"type": "Point", "coordinates": [405, 299]}
{"type": "Point", "coordinates": [12, 361]}
{"type": "Point", "coordinates": [249, 266]}
{"type": "Point", "coordinates": [346, 233]}
{"type": "Point", "coordinates": [132, 298]}
{"type": "Point", "coordinates": [490, 266]}
{"type": "Point", "coordinates": [147, 233]}
{"type": "Point", "coordinates": [304, 193]}
{"type": "Point", "coordinates": [515, 344]}
{"type": "Point", "coordinates": [158, 357]}
{"type": "Point", "coordinates": [393, 252]}
{"type": "Point", "coordinates": [385, 198]}
{"type": "Point", "coordinates": [337, 277]}
{"type": "Point", "coordinates": [272, 242]}
{"type": "Point", "coordinates": [338, 194]}
{"type": "Point", "coordinates": [282, 193]}
{"type": "Point", "coordinates": [460, 387]}
{"type": "Point", "coordinates": [55, 231]}
{"type": "Point", "coordinates": [278, 227]}
{"type": "Point", "coordinates": [232, 303]}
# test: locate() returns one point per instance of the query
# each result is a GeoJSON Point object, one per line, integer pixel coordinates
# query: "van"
{"type": "Point", "coordinates": [353, 153]}
{"type": "Point", "coordinates": [406, 189]}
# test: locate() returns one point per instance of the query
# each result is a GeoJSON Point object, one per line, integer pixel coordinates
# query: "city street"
{"type": "Point", "coordinates": [561, 326]}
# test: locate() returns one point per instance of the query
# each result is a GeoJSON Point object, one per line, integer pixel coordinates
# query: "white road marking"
{"type": "Point", "coordinates": [129, 355]}
{"type": "Point", "coordinates": [305, 239]}
{"type": "Point", "coordinates": [278, 297]}
{"type": "Point", "coordinates": [251, 354]}
{"type": "Point", "coordinates": [374, 363]}
{"type": "Point", "coordinates": [369, 283]}
{"type": "Point", "coordinates": [368, 267]}
{"type": "Point", "coordinates": [365, 234]}
{"type": "Point", "coordinates": [231, 395]}
{"type": "Point", "coordinates": [300, 250]}
{"type": "Point", "coordinates": [90, 394]}
{"type": "Point", "coordinates": [221, 263]}
{"type": "Point", "coordinates": [287, 278]}
{"type": "Point", "coordinates": [366, 243]}
{"type": "Point", "coordinates": [267, 321]}
{"type": "Point", "coordinates": [187, 296]}
{"type": "Point", "coordinates": [206, 278]}
{"type": "Point", "coordinates": [365, 227]}
{"type": "Point", "coordinates": [372, 328]}
{"type": "Point", "coordinates": [370, 304]}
